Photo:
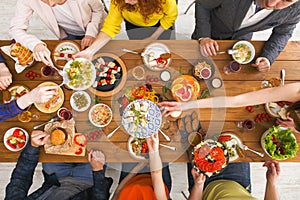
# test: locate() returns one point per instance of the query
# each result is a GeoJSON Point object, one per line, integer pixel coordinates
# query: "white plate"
{"type": "Point", "coordinates": [66, 47]}
{"type": "Point", "coordinates": [92, 74]}
{"type": "Point", "coordinates": [232, 144]}
{"type": "Point", "coordinates": [9, 132]}
{"type": "Point", "coordinates": [132, 154]}
{"type": "Point", "coordinates": [155, 49]}
{"type": "Point", "coordinates": [73, 105]}
{"type": "Point", "coordinates": [92, 110]}
{"type": "Point", "coordinates": [252, 50]}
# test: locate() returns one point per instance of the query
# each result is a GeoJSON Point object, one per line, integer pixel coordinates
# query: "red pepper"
{"type": "Point", "coordinates": [80, 139]}
{"type": "Point", "coordinates": [224, 138]}
{"type": "Point", "coordinates": [79, 151]}
{"type": "Point", "coordinates": [139, 93]}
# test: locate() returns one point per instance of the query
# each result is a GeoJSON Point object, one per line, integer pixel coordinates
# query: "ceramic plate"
{"type": "Point", "coordinates": [231, 146]}
{"type": "Point", "coordinates": [63, 52]}
{"type": "Point", "coordinates": [100, 115]}
{"type": "Point", "coordinates": [8, 133]}
{"type": "Point", "coordinates": [82, 96]}
{"type": "Point", "coordinates": [134, 154]}
{"type": "Point", "coordinates": [12, 93]}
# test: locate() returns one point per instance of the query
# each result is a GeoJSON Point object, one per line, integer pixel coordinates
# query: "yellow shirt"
{"type": "Point", "coordinates": [226, 190]}
{"type": "Point", "coordinates": [112, 23]}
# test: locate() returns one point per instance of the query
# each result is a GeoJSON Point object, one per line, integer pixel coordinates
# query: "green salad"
{"type": "Point", "coordinates": [280, 143]}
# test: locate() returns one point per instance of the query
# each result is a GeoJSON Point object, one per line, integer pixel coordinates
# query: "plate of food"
{"type": "Point", "coordinates": [185, 88]}
{"type": "Point", "coordinates": [110, 74]}
{"type": "Point", "coordinates": [245, 54]}
{"type": "Point", "coordinates": [204, 69]}
{"type": "Point", "coordinates": [81, 74]}
{"type": "Point", "coordinates": [278, 109]}
{"type": "Point", "coordinates": [80, 101]}
{"type": "Point", "coordinates": [14, 92]}
{"type": "Point", "coordinates": [100, 115]}
{"type": "Point", "coordinates": [141, 118]}
{"type": "Point", "coordinates": [64, 52]}
{"type": "Point", "coordinates": [157, 56]}
{"type": "Point", "coordinates": [279, 143]}
{"type": "Point", "coordinates": [210, 157]}
{"type": "Point", "coordinates": [138, 148]}
{"type": "Point", "coordinates": [231, 142]}
{"type": "Point", "coordinates": [54, 103]}
{"type": "Point", "coordinates": [15, 139]}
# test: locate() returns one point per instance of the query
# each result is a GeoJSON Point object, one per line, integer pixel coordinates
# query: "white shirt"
{"type": "Point", "coordinates": [252, 18]}
{"type": "Point", "coordinates": [65, 20]}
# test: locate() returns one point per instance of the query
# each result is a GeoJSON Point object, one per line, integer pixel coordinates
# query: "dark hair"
{"type": "Point", "coordinates": [145, 7]}
{"type": "Point", "coordinates": [294, 112]}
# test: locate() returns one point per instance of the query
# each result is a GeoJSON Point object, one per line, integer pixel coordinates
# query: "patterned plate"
{"type": "Point", "coordinates": [141, 122]}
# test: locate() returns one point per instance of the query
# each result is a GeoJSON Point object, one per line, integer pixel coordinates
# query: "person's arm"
{"type": "Point", "coordinates": [288, 92]}
{"type": "Point", "coordinates": [197, 191]}
{"type": "Point", "coordinates": [272, 174]}
{"type": "Point", "coordinates": [156, 167]}
{"type": "Point", "coordinates": [22, 175]}
{"type": "Point", "coordinates": [9, 110]}
{"type": "Point", "coordinates": [5, 75]}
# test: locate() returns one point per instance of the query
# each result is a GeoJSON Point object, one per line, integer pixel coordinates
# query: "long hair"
{"type": "Point", "coordinates": [145, 7]}
{"type": "Point", "coordinates": [294, 112]}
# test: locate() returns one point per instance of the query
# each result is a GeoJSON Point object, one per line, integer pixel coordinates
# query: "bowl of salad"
{"type": "Point", "coordinates": [100, 115]}
{"type": "Point", "coordinates": [279, 143]}
{"type": "Point", "coordinates": [15, 139]}
{"type": "Point", "coordinates": [138, 148]}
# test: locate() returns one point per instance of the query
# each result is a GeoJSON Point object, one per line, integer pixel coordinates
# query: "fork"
{"type": "Point", "coordinates": [242, 146]}
{"type": "Point", "coordinates": [229, 51]}
{"type": "Point", "coordinates": [51, 120]}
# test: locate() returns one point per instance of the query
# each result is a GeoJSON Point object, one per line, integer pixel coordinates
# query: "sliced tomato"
{"type": "Point", "coordinates": [14, 146]}
{"type": "Point", "coordinates": [224, 138]}
{"type": "Point", "coordinates": [16, 132]}
{"type": "Point", "coordinates": [80, 139]}
{"type": "Point", "coordinates": [79, 151]}
{"type": "Point", "coordinates": [21, 145]}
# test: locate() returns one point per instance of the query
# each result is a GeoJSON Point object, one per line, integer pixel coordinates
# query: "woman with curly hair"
{"type": "Point", "coordinates": [144, 19]}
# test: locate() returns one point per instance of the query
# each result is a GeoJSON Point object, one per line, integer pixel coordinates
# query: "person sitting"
{"type": "Point", "coordinates": [68, 20]}
{"type": "Point", "coordinates": [17, 106]}
{"type": "Point", "coordinates": [289, 92]}
{"type": "Point", "coordinates": [138, 14]}
{"type": "Point", "coordinates": [234, 183]}
{"type": "Point", "coordinates": [5, 75]}
{"type": "Point", "coordinates": [61, 180]}
{"type": "Point", "coordinates": [141, 185]}
{"type": "Point", "coordinates": [227, 20]}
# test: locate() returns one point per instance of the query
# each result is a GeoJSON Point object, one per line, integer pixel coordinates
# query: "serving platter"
{"type": "Point", "coordinates": [63, 52]}
{"type": "Point", "coordinates": [185, 88]}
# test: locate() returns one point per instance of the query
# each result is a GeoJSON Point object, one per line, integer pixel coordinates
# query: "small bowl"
{"type": "Point", "coordinates": [251, 49]}
{"type": "Point", "coordinates": [102, 109]}
{"type": "Point", "coordinates": [132, 154]}
{"type": "Point", "coordinates": [9, 132]}
{"type": "Point", "coordinates": [74, 106]}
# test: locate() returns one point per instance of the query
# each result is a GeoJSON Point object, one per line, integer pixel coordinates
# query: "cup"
{"type": "Point", "coordinates": [26, 116]}
{"type": "Point", "coordinates": [194, 138]}
{"type": "Point", "coordinates": [232, 67]}
{"type": "Point", "coordinates": [47, 71]}
{"type": "Point", "coordinates": [247, 124]}
{"type": "Point", "coordinates": [64, 113]}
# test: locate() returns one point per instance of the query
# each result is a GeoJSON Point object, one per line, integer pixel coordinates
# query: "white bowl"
{"type": "Point", "coordinates": [9, 132]}
{"type": "Point", "coordinates": [132, 154]}
{"type": "Point", "coordinates": [92, 110]}
{"type": "Point", "coordinates": [252, 50]}
{"type": "Point", "coordinates": [73, 105]}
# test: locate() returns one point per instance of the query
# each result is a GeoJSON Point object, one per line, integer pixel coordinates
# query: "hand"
{"type": "Point", "coordinates": [169, 107]}
{"type": "Point", "coordinates": [5, 77]}
{"type": "Point", "coordinates": [199, 178]}
{"type": "Point", "coordinates": [42, 94]}
{"type": "Point", "coordinates": [83, 54]}
{"type": "Point", "coordinates": [42, 54]}
{"type": "Point", "coordinates": [208, 47]}
{"type": "Point", "coordinates": [38, 138]}
{"type": "Point", "coordinates": [262, 64]}
{"type": "Point", "coordinates": [96, 159]}
{"type": "Point", "coordinates": [273, 170]}
{"type": "Point", "coordinates": [153, 143]}
{"type": "Point", "coordinates": [289, 123]}
{"type": "Point", "coordinates": [87, 41]}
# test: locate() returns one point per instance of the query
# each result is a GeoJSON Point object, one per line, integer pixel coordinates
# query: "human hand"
{"type": "Point", "coordinates": [42, 54]}
{"type": "Point", "coordinates": [169, 107]}
{"type": "Point", "coordinates": [199, 178]}
{"type": "Point", "coordinates": [5, 77]}
{"type": "Point", "coordinates": [38, 138]}
{"type": "Point", "coordinates": [289, 123]}
{"type": "Point", "coordinates": [96, 159]}
{"type": "Point", "coordinates": [262, 64]}
{"type": "Point", "coordinates": [153, 143]}
{"type": "Point", "coordinates": [83, 54]}
{"type": "Point", "coordinates": [42, 94]}
{"type": "Point", "coordinates": [273, 170]}
{"type": "Point", "coordinates": [208, 47]}
{"type": "Point", "coordinates": [87, 41]}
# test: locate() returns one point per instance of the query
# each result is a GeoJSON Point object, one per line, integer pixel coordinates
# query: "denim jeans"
{"type": "Point", "coordinates": [238, 172]}
{"type": "Point", "coordinates": [127, 167]}
{"type": "Point", "coordinates": [80, 171]}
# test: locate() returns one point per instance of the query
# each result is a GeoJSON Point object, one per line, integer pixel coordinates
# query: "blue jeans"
{"type": "Point", "coordinates": [80, 171]}
{"type": "Point", "coordinates": [127, 167]}
{"type": "Point", "coordinates": [238, 172]}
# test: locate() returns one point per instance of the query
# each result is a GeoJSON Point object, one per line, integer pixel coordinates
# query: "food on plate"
{"type": "Point", "coordinates": [53, 102]}
{"type": "Point", "coordinates": [157, 56]}
{"type": "Point", "coordinates": [165, 55]}
{"type": "Point", "coordinates": [202, 70]}
{"type": "Point", "coordinates": [14, 92]}
{"type": "Point", "coordinates": [63, 55]}
{"type": "Point", "coordinates": [210, 157]}
{"type": "Point", "coordinates": [80, 100]}
{"type": "Point", "coordinates": [158, 63]}
{"type": "Point", "coordinates": [17, 140]}
{"type": "Point", "coordinates": [80, 72]}
{"type": "Point", "coordinates": [185, 88]}
{"type": "Point", "coordinates": [139, 147]}
{"type": "Point", "coordinates": [243, 54]}
{"type": "Point", "coordinates": [58, 137]}
{"type": "Point", "coordinates": [279, 143]}
{"type": "Point", "coordinates": [100, 115]}
{"type": "Point", "coordinates": [64, 52]}
{"type": "Point", "coordinates": [108, 72]}
{"type": "Point", "coordinates": [231, 142]}
{"type": "Point", "coordinates": [278, 109]}
{"type": "Point", "coordinates": [80, 139]}
{"type": "Point", "coordinates": [23, 54]}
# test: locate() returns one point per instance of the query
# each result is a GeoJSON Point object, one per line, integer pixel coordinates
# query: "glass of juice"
{"type": "Point", "coordinates": [247, 124]}
{"type": "Point", "coordinates": [47, 71]}
{"type": "Point", "coordinates": [232, 67]}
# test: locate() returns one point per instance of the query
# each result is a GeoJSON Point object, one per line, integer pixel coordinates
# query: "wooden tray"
{"type": "Point", "coordinates": [114, 88]}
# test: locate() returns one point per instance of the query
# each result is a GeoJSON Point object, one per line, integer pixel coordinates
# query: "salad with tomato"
{"type": "Point", "coordinates": [139, 147]}
{"type": "Point", "coordinates": [17, 140]}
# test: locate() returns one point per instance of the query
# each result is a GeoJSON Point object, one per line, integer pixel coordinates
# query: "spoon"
{"type": "Point", "coordinates": [168, 147]}
{"type": "Point", "coordinates": [165, 136]}
{"type": "Point", "coordinates": [113, 132]}
{"type": "Point", "coordinates": [282, 76]}
{"type": "Point", "coordinates": [51, 120]}
{"type": "Point", "coordinates": [229, 51]}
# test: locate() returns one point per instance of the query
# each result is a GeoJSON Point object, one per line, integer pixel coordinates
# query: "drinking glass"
{"type": "Point", "coordinates": [232, 67]}
{"type": "Point", "coordinates": [247, 124]}
{"type": "Point", "coordinates": [27, 116]}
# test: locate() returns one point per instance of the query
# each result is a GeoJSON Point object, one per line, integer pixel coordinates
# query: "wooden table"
{"type": "Point", "coordinates": [185, 55]}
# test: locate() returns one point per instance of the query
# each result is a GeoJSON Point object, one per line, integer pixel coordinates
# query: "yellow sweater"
{"type": "Point", "coordinates": [112, 23]}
